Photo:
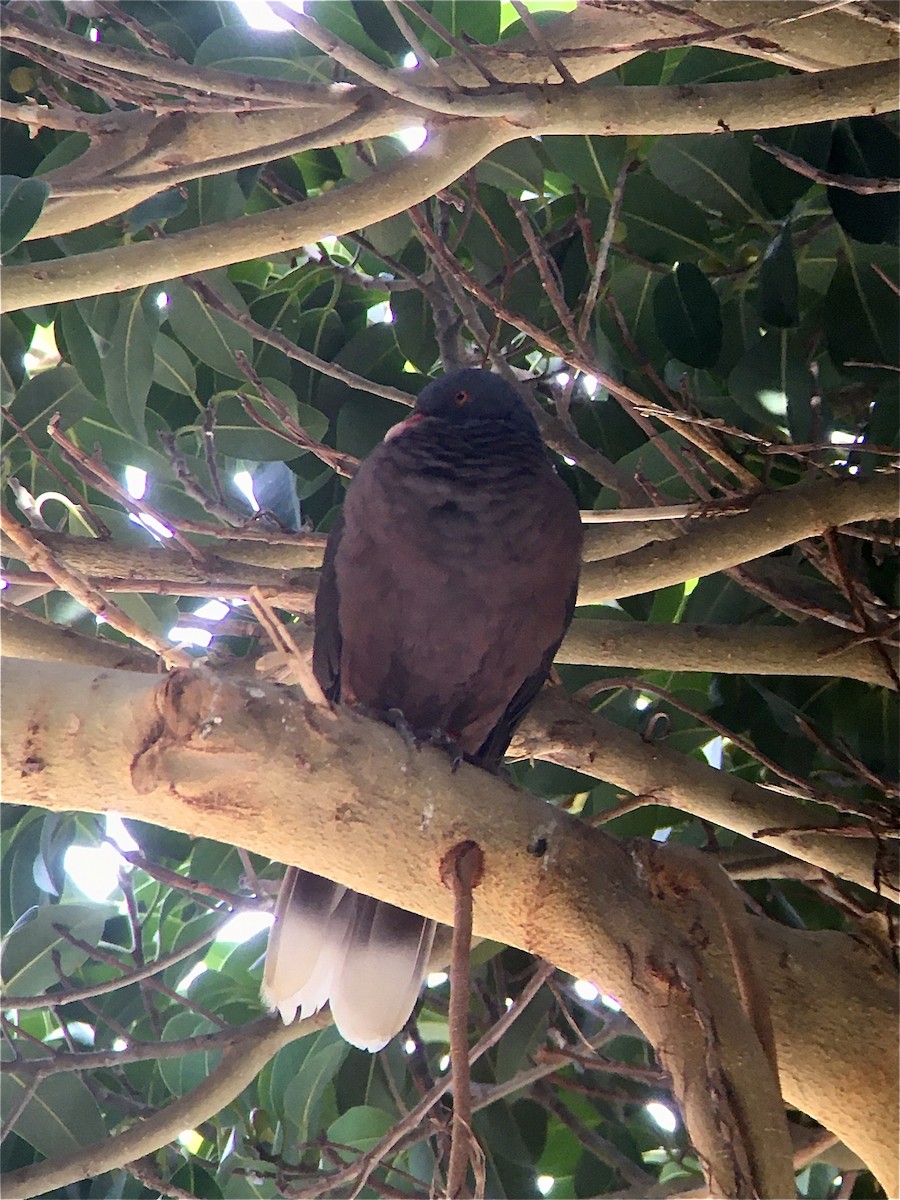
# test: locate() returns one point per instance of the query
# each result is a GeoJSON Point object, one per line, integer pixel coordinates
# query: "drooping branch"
{"type": "Point", "coordinates": [223, 759]}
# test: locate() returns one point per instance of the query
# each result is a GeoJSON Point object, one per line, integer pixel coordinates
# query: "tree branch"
{"type": "Point", "coordinates": [807, 649]}
{"type": "Point", "coordinates": [450, 152]}
{"type": "Point", "coordinates": [772, 521]}
{"type": "Point", "coordinates": [220, 759]}
{"type": "Point", "coordinates": [559, 730]}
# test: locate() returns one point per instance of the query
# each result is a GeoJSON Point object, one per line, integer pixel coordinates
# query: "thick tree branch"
{"type": "Point", "coordinates": [772, 521]}
{"type": "Point", "coordinates": [807, 649]}
{"type": "Point", "coordinates": [241, 763]}
{"type": "Point", "coordinates": [448, 154]}
{"type": "Point", "coordinates": [561, 731]}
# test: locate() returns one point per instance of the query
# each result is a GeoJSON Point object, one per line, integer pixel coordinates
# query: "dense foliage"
{"type": "Point", "coordinates": [700, 321]}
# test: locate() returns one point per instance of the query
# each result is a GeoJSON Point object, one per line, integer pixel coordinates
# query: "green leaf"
{"type": "Point", "coordinates": [81, 348]}
{"type": "Point", "coordinates": [361, 1127]}
{"type": "Point", "coordinates": [713, 171]}
{"type": "Point", "coordinates": [58, 390]}
{"type": "Point", "coordinates": [591, 162]}
{"type": "Point", "coordinates": [65, 151]}
{"type": "Point", "coordinates": [778, 186]}
{"type": "Point", "coordinates": [774, 385]}
{"type": "Point", "coordinates": [779, 301]}
{"type": "Point", "coordinates": [182, 1074]}
{"type": "Point", "coordinates": [128, 363]}
{"type": "Point", "coordinates": [476, 20]}
{"type": "Point", "coordinates": [340, 17]}
{"type": "Point", "coordinates": [170, 203]}
{"type": "Point", "coordinates": [661, 225]}
{"type": "Point", "coordinates": [866, 147]}
{"type": "Point", "coordinates": [303, 1095]}
{"type": "Point", "coordinates": [213, 338]}
{"type": "Point", "coordinates": [238, 435]}
{"type": "Point", "coordinates": [172, 368]}
{"type": "Point", "coordinates": [688, 319]}
{"type": "Point", "coordinates": [21, 201]}
{"type": "Point", "coordinates": [414, 327]}
{"type": "Point", "coordinates": [269, 54]}
{"type": "Point", "coordinates": [514, 168]}
{"type": "Point", "coordinates": [861, 311]}
{"type": "Point", "coordinates": [28, 968]}
{"type": "Point", "coordinates": [61, 1117]}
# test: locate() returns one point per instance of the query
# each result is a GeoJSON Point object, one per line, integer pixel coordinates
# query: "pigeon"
{"type": "Point", "coordinates": [448, 582]}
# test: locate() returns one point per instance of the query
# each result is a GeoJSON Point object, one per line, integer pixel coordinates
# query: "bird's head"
{"type": "Point", "coordinates": [468, 398]}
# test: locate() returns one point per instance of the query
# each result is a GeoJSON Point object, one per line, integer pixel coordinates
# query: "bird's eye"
{"type": "Point", "coordinates": [461, 398]}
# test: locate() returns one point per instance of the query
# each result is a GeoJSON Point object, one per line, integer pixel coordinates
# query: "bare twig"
{"type": "Point", "coordinates": [212, 298]}
{"type": "Point", "coordinates": [300, 671]}
{"type": "Point", "coordinates": [850, 183]}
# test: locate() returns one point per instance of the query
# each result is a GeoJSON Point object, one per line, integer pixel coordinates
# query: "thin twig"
{"type": "Point", "coordinates": [543, 43]}
{"type": "Point", "coordinates": [599, 268]}
{"type": "Point", "coordinates": [300, 670]}
{"type": "Point", "coordinates": [92, 470]}
{"type": "Point", "coordinates": [850, 183]}
{"type": "Point", "coordinates": [213, 300]}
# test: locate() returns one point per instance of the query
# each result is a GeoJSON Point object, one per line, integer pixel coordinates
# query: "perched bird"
{"type": "Point", "coordinates": [448, 583]}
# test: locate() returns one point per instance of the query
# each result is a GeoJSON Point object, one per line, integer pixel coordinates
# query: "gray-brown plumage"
{"type": "Point", "coordinates": [447, 586]}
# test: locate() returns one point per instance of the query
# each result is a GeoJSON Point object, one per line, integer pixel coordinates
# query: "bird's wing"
{"type": "Point", "coordinates": [327, 643]}
{"type": "Point", "coordinates": [490, 752]}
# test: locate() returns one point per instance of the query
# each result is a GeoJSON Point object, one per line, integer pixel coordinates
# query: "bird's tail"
{"type": "Point", "coordinates": [365, 958]}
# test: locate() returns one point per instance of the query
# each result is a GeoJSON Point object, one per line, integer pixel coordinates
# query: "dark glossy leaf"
{"type": "Point", "coordinates": [172, 368]}
{"type": "Point", "coordinates": [688, 318]}
{"type": "Point", "coordinates": [21, 201]}
{"type": "Point", "coordinates": [774, 385]}
{"type": "Point", "coordinates": [58, 390]}
{"type": "Point", "coordinates": [270, 54]}
{"type": "Point", "coordinates": [215, 339]}
{"type": "Point", "coordinates": [591, 162]}
{"type": "Point", "coordinates": [341, 18]}
{"type": "Point", "coordinates": [661, 225]}
{"type": "Point", "coordinates": [861, 311]}
{"type": "Point", "coordinates": [62, 1115]}
{"type": "Point", "coordinates": [867, 148]}
{"type": "Point", "coordinates": [414, 326]}
{"type": "Point", "coordinates": [81, 348]}
{"type": "Point", "coordinates": [777, 185]}
{"type": "Point", "coordinates": [514, 169]}
{"type": "Point", "coordinates": [170, 203]}
{"type": "Point", "coordinates": [128, 362]}
{"type": "Point", "coordinates": [778, 286]}
{"type": "Point", "coordinates": [478, 20]}
{"type": "Point", "coordinates": [712, 171]}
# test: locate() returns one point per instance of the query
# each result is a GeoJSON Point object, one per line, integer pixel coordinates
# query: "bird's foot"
{"type": "Point", "coordinates": [449, 742]}
{"type": "Point", "coordinates": [395, 718]}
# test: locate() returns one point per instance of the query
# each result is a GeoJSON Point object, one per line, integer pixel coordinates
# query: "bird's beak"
{"type": "Point", "coordinates": [402, 426]}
